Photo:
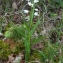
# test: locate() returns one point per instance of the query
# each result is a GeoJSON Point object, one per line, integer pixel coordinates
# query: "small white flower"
{"type": "Point", "coordinates": [30, 4]}
{"type": "Point", "coordinates": [36, 14]}
{"type": "Point", "coordinates": [35, 1]}
{"type": "Point", "coordinates": [26, 11]}
{"type": "Point", "coordinates": [36, 9]}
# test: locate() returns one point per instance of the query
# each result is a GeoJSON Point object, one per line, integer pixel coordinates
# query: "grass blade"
{"type": "Point", "coordinates": [35, 26]}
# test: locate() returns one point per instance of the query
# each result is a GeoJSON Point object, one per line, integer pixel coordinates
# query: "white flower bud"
{"type": "Point", "coordinates": [35, 1]}
{"type": "Point", "coordinates": [30, 4]}
{"type": "Point", "coordinates": [36, 14]}
{"type": "Point", "coordinates": [36, 9]}
{"type": "Point", "coordinates": [26, 11]}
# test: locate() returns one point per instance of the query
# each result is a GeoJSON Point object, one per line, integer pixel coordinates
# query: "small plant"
{"type": "Point", "coordinates": [24, 32]}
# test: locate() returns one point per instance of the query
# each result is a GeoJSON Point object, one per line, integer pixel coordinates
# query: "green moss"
{"type": "Point", "coordinates": [4, 50]}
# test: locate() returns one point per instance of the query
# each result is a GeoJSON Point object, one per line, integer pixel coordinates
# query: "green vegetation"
{"type": "Point", "coordinates": [34, 28]}
{"type": "Point", "coordinates": [4, 50]}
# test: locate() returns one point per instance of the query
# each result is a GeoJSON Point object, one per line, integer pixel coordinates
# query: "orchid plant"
{"type": "Point", "coordinates": [26, 30]}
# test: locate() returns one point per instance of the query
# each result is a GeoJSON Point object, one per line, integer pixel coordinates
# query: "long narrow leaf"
{"type": "Point", "coordinates": [27, 49]}
{"type": "Point", "coordinates": [35, 26]}
{"type": "Point", "coordinates": [43, 55]}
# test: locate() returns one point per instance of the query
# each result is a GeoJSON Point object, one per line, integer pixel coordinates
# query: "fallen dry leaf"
{"type": "Point", "coordinates": [11, 58]}
{"type": "Point", "coordinates": [14, 5]}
